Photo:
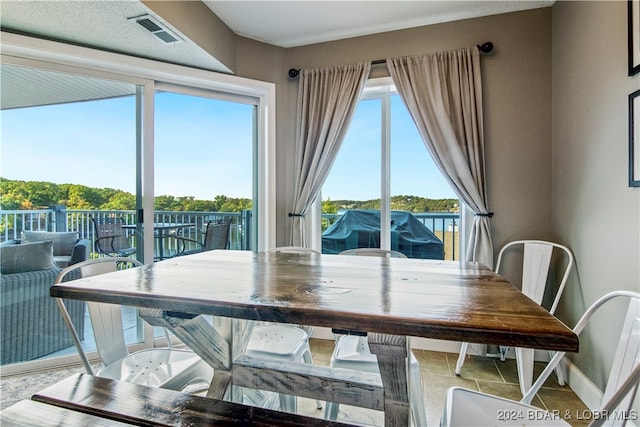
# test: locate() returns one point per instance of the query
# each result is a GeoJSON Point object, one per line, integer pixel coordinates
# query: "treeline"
{"type": "Point", "coordinates": [16, 195]}
{"type": "Point", "coordinates": [398, 203]}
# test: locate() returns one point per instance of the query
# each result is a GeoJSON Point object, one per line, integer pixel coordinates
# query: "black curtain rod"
{"type": "Point", "coordinates": [485, 47]}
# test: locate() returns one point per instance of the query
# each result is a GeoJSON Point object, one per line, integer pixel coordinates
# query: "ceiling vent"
{"type": "Point", "coordinates": [158, 29]}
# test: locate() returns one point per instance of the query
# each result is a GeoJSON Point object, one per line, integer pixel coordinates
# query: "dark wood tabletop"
{"type": "Point", "coordinates": [447, 300]}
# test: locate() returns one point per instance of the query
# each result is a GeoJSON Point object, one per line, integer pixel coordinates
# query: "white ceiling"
{"type": "Point", "coordinates": [297, 23]}
{"type": "Point", "coordinates": [105, 25]}
{"type": "Point", "coordinates": [102, 25]}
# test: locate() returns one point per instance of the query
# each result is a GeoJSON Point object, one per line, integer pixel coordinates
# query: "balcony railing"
{"type": "Point", "coordinates": [13, 222]}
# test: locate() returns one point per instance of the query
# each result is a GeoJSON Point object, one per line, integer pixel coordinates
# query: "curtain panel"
{"type": "Point", "coordinates": [443, 93]}
{"type": "Point", "coordinates": [327, 100]}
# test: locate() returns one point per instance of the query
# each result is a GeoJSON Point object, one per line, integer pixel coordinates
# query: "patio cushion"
{"type": "Point", "coordinates": [27, 257]}
{"type": "Point", "coordinates": [63, 242]}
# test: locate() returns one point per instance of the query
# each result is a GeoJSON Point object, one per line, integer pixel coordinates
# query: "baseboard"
{"type": "Point", "coordinates": [582, 385]}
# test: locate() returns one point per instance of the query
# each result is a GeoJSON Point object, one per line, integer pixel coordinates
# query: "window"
{"type": "Point", "coordinates": [387, 184]}
{"type": "Point", "coordinates": [122, 128]}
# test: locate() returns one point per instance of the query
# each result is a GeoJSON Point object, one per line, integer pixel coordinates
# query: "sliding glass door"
{"type": "Point", "coordinates": [78, 142]}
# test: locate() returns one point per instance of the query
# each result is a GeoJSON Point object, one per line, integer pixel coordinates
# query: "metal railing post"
{"type": "Point", "coordinates": [246, 229]}
{"type": "Point", "coordinates": [58, 218]}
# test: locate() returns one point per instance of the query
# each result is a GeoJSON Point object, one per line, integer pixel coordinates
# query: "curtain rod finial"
{"type": "Point", "coordinates": [485, 47]}
{"type": "Point", "coordinates": [293, 73]}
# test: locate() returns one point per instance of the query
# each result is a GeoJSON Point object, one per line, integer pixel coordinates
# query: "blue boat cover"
{"type": "Point", "coordinates": [361, 229]}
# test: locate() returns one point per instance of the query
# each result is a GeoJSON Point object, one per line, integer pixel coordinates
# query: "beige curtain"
{"type": "Point", "coordinates": [443, 93]}
{"type": "Point", "coordinates": [327, 99]}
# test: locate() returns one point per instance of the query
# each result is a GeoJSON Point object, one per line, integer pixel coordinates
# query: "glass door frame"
{"type": "Point", "coordinates": [255, 160]}
{"type": "Point", "coordinates": [49, 55]}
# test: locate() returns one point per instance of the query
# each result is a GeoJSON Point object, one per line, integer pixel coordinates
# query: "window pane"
{"type": "Point", "coordinates": [68, 154]}
{"type": "Point", "coordinates": [203, 170]}
{"type": "Point", "coordinates": [413, 171]}
{"type": "Point", "coordinates": [424, 209]}
{"type": "Point", "coordinates": [355, 174]}
{"type": "Point", "coordinates": [417, 185]}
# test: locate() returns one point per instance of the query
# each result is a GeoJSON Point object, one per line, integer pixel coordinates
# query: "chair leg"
{"type": "Point", "coordinates": [503, 353]}
{"type": "Point", "coordinates": [524, 362]}
{"type": "Point", "coordinates": [331, 411]}
{"type": "Point", "coordinates": [309, 360]}
{"type": "Point", "coordinates": [288, 403]}
{"type": "Point", "coordinates": [418, 410]}
{"type": "Point", "coordinates": [559, 370]}
{"type": "Point", "coordinates": [461, 356]}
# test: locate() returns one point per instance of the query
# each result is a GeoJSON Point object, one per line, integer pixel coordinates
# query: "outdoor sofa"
{"type": "Point", "coordinates": [30, 322]}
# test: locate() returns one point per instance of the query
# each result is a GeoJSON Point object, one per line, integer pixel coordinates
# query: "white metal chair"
{"type": "Point", "coordinates": [273, 341]}
{"type": "Point", "coordinates": [352, 352]}
{"type": "Point", "coordinates": [374, 252]}
{"type": "Point", "coordinates": [465, 407]}
{"type": "Point", "coordinates": [284, 342]}
{"type": "Point", "coordinates": [536, 263]}
{"type": "Point", "coordinates": [168, 368]}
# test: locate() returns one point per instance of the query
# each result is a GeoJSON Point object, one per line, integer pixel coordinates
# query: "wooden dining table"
{"type": "Point", "coordinates": [388, 299]}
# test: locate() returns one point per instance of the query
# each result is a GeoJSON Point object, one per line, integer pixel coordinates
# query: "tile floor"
{"type": "Point", "coordinates": [484, 374]}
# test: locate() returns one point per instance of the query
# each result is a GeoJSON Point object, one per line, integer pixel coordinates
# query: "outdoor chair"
{"type": "Point", "coordinates": [168, 368]}
{"type": "Point", "coordinates": [216, 236]}
{"type": "Point", "coordinates": [110, 238]}
{"type": "Point", "coordinates": [352, 352]}
{"type": "Point", "coordinates": [465, 407]}
{"type": "Point", "coordinates": [536, 264]}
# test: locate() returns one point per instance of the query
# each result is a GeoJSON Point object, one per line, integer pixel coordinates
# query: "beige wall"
{"type": "Point", "coordinates": [517, 82]}
{"type": "Point", "coordinates": [594, 210]}
{"type": "Point", "coordinates": [196, 21]}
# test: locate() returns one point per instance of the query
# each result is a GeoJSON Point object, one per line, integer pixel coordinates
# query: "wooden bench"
{"type": "Point", "coordinates": [30, 413]}
{"type": "Point", "coordinates": [149, 406]}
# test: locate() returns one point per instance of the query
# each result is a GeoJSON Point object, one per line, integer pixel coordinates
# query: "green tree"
{"type": "Point", "coordinates": [11, 201]}
{"type": "Point", "coordinates": [121, 201]}
{"type": "Point", "coordinates": [329, 207]}
{"type": "Point", "coordinates": [41, 194]}
{"type": "Point", "coordinates": [83, 197]}
{"type": "Point", "coordinates": [164, 203]}
{"type": "Point", "coordinates": [235, 205]}
{"type": "Point", "coordinates": [219, 201]}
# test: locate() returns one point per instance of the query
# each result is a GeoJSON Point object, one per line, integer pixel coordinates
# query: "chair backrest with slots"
{"type": "Point", "coordinates": [216, 235]}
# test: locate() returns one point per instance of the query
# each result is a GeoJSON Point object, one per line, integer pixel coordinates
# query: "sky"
{"type": "Point", "coordinates": [355, 174]}
{"type": "Point", "coordinates": [203, 149]}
